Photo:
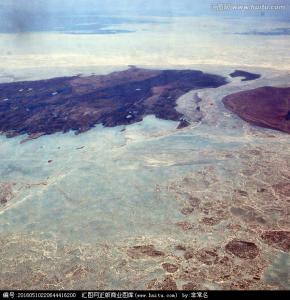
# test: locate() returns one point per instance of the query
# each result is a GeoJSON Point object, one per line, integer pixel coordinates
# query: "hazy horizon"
{"type": "Point", "coordinates": [138, 7]}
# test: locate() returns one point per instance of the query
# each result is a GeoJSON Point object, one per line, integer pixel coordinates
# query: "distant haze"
{"type": "Point", "coordinates": [136, 7]}
{"type": "Point", "coordinates": [88, 33]}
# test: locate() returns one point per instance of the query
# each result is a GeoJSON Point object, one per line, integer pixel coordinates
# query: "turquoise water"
{"type": "Point", "coordinates": [109, 188]}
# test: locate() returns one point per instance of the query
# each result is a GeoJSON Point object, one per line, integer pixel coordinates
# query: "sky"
{"type": "Point", "coordinates": [142, 7]}
{"type": "Point", "coordinates": [159, 7]}
{"type": "Point", "coordinates": [72, 34]}
{"type": "Point", "coordinates": [49, 15]}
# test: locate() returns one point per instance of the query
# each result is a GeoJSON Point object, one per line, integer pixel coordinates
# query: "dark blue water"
{"type": "Point", "coordinates": [275, 31]}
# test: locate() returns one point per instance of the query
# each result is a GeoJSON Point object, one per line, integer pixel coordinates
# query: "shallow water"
{"type": "Point", "coordinates": [125, 186]}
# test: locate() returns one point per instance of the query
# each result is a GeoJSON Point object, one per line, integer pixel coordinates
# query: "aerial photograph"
{"type": "Point", "coordinates": [145, 145]}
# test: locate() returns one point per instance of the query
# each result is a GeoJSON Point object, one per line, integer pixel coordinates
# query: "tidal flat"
{"type": "Point", "coordinates": [149, 206]}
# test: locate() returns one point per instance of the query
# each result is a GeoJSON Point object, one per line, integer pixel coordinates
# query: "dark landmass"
{"type": "Point", "coordinates": [79, 103]}
{"type": "Point", "coordinates": [273, 32]}
{"type": "Point", "coordinates": [183, 124]}
{"type": "Point", "coordinates": [247, 75]}
{"type": "Point", "coordinates": [266, 106]}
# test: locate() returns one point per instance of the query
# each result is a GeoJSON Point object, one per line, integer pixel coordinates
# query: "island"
{"type": "Point", "coordinates": [78, 103]}
{"type": "Point", "coordinates": [247, 75]}
{"type": "Point", "coordinates": [266, 106]}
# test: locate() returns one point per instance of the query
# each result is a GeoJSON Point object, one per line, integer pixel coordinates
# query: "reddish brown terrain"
{"type": "Point", "coordinates": [266, 106]}
{"type": "Point", "coordinates": [79, 103]}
